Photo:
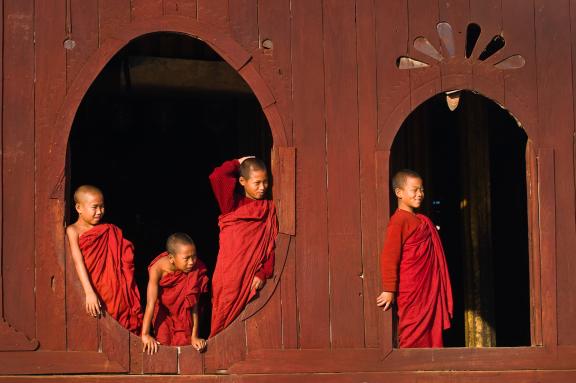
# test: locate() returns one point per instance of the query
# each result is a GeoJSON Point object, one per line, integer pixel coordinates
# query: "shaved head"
{"type": "Point", "coordinates": [177, 239]}
{"type": "Point", "coordinates": [251, 164]}
{"type": "Point", "coordinates": [399, 179]}
{"type": "Point", "coordinates": [84, 190]}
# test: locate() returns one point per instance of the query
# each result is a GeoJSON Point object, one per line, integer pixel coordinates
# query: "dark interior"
{"type": "Point", "coordinates": [432, 141]}
{"type": "Point", "coordinates": [164, 112]}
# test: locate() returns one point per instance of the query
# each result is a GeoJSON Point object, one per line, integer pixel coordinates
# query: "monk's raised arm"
{"type": "Point", "coordinates": [150, 344]}
{"type": "Point", "coordinates": [198, 343]}
{"type": "Point", "coordinates": [223, 180]}
{"type": "Point", "coordinates": [92, 304]}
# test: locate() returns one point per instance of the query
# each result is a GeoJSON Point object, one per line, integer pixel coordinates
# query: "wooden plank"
{"type": "Point", "coordinates": [264, 330]}
{"type": "Point", "coordinates": [341, 111]}
{"type": "Point", "coordinates": [288, 297]}
{"type": "Point", "coordinates": [284, 187]}
{"type": "Point", "coordinates": [1, 147]}
{"type": "Point", "coordinates": [425, 82]}
{"type": "Point", "coordinates": [146, 9]}
{"type": "Point", "coordinates": [214, 13]}
{"type": "Point", "coordinates": [486, 79]}
{"type": "Point", "coordinates": [393, 84]}
{"type": "Point", "coordinates": [309, 138]}
{"type": "Point", "coordinates": [276, 63]}
{"type": "Point", "coordinates": [243, 20]}
{"type": "Point", "coordinates": [115, 342]}
{"type": "Point", "coordinates": [18, 166]}
{"type": "Point", "coordinates": [534, 245]}
{"type": "Point", "coordinates": [397, 377]}
{"type": "Point", "coordinates": [367, 139]}
{"type": "Point", "coordinates": [556, 125]}
{"type": "Point", "coordinates": [520, 85]}
{"type": "Point", "coordinates": [83, 19]}
{"type": "Point", "coordinates": [226, 348]}
{"type": "Point", "coordinates": [457, 71]}
{"type": "Point", "coordinates": [190, 361]}
{"type": "Point", "coordinates": [113, 15]}
{"type": "Point", "coordinates": [186, 8]}
{"type": "Point", "coordinates": [56, 362]}
{"type": "Point", "coordinates": [548, 246]}
{"type": "Point", "coordinates": [50, 32]}
{"type": "Point", "coordinates": [81, 329]}
{"type": "Point", "coordinates": [383, 213]}
{"type": "Point", "coordinates": [136, 354]}
{"type": "Point", "coordinates": [165, 361]}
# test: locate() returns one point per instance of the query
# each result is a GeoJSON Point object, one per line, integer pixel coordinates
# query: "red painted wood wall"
{"type": "Point", "coordinates": [334, 99]}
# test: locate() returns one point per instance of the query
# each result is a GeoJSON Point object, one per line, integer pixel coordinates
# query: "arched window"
{"type": "Point", "coordinates": [164, 112]}
{"type": "Point", "coordinates": [473, 163]}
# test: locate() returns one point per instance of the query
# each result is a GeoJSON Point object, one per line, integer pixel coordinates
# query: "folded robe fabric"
{"type": "Point", "coordinates": [424, 291]}
{"type": "Point", "coordinates": [247, 239]}
{"type": "Point", "coordinates": [109, 260]}
{"type": "Point", "coordinates": [178, 293]}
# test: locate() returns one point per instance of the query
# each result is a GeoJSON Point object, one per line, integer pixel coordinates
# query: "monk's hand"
{"type": "Point", "coordinates": [92, 304]}
{"type": "Point", "coordinates": [198, 343]}
{"type": "Point", "coordinates": [385, 300]}
{"type": "Point", "coordinates": [240, 160]}
{"type": "Point", "coordinates": [150, 344]}
{"type": "Point", "coordinates": [257, 283]}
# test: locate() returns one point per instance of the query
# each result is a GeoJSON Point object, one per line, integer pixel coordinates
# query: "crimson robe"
{"type": "Point", "coordinates": [247, 240]}
{"type": "Point", "coordinates": [109, 260]}
{"type": "Point", "coordinates": [424, 292]}
{"type": "Point", "coordinates": [178, 293]}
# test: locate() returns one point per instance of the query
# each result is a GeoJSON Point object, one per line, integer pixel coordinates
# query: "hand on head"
{"type": "Point", "coordinates": [244, 158]}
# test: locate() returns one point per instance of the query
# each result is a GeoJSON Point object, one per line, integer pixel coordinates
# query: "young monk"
{"type": "Point", "coordinates": [248, 229]}
{"type": "Point", "coordinates": [176, 280]}
{"type": "Point", "coordinates": [414, 269]}
{"type": "Point", "coordinates": [104, 261]}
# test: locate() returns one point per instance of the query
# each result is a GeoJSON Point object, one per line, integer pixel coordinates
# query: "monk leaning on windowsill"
{"type": "Point", "coordinates": [413, 268]}
{"type": "Point", "coordinates": [104, 262]}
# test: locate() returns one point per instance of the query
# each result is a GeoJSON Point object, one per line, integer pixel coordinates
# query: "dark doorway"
{"type": "Point", "coordinates": [473, 163]}
{"type": "Point", "coordinates": [164, 112]}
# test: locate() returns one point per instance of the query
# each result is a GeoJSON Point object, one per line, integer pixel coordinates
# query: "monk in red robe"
{"type": "Point", "coordinates": [414, 269]}
{"type": "Point", "coordinates": [177, 278]}
{"type": "Point", "coordinates": [248, 230]}
{"type": "Point", "coordinates": [104, 261]}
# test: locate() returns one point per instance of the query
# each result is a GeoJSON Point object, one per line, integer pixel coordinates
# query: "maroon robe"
{"type": "Point", "coordinates": [178, 293]}
{"type": "Point", "coordinates": [109, 260]}
{"type": "Point", "coordinates": [247, 238]}
{"type": "Point", "coordinates": [424, 291]}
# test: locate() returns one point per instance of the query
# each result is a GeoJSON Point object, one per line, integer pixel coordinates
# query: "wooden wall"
{"type": "Point", "coordinates": [334, 98]}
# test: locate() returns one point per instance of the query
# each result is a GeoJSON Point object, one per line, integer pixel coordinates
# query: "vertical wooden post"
{"type": "Point", "coordinates": [476, 226]}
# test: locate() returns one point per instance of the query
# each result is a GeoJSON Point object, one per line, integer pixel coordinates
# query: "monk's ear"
{"type": "Point", "coordinates": [242, 181]}
{"type": "Point", "coordinates": [398, 192]}
{"type": "Point", "coordinates": [171, 258]}
{"type": "Point", "coordinates": [77, 206]}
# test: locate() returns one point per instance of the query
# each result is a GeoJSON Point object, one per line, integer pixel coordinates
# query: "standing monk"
{"type": "Point", "coordinates": [248, 230]}
{"type": "Point", "coordinates": [104, 261]}
{"type": "Point", "coordinates": [414, 269]}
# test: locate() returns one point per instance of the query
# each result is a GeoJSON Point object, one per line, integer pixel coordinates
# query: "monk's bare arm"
{"type": "Point", "coordinates": [198, 343]}
{"type": "Point", "coordinates": [154, 275]}
{"type": "Point", "coordinates": [92, 302]}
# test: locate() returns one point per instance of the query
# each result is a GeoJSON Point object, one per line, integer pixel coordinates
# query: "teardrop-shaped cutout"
{"type": "Point", "coordinates": [410, 63]}
{"type": "Point", "coordinates": [447, 38]}
{"type": "Point", "coordinates": [421, 44]}
{"type": "Point", "coordinates": [512, 62]}
{"type": "Point", "coordinates": [472, 34]}
{"type": "Point", "coordinates": [492, 47]}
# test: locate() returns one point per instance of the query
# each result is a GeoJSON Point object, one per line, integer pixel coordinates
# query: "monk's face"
{"type": "Point", "coordinates": [90, 207]}
{"type": "Point", "coordinates": [256, 186]}
{"type": "Point", "coordinates": [185, 257]}
{"type": "Point", "coordinates": [411, 194]}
